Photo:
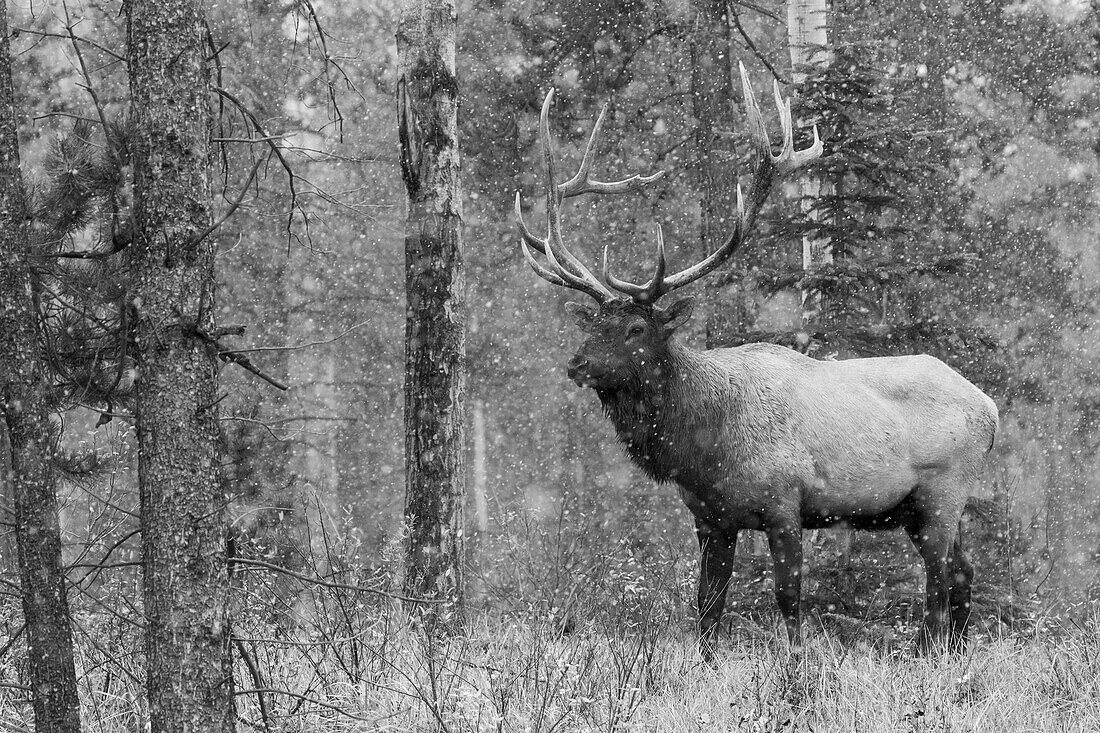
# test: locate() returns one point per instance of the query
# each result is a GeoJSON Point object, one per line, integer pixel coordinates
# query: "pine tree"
{"type": "Point", "coordinates": [183, 507]}
{"type": "Point", "coordinates": [30, 443]}
{"type": "Point", "coordinates": [875, 156]}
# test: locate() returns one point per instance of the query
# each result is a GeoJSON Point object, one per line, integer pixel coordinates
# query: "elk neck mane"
{"type": "Point", "coordinates": [686, 391]}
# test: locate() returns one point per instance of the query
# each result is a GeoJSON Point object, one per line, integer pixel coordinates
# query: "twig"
{"type": "Point", "coordinates": [759, 9]}
{"type": "Point", "coordinates": [106, 566]}
{"type": "Point", "coordinates": [748, 41]}
{"type": "Point", "coordinates": [108, 657]}
{"type": "Point", "coordinates": [82, 118]}
{"type": "Point", "coordinates": [253, 421]}
{"type": "Point", "coordinates": [332, 584]}
{"type": "Point", "coordinates": [256, 679]}
{"type": "Point", "coordinates": [88, 79]}
{"type": "Point", "coordinates": [337, 115]}
{"type": "Point", "coordinates": [215, 53]}
{"type": "Point", "coordinates": [229, 355]}
{"type": "Point", "coordinates": [234, 205]}
{"type": "Point", "coordinates": [108, 503]}
{"type": "Point", "coordinates": [247, 365]}
{"type": "Point", "coordinates": [305, 698]}
{"type": "Point", "coordinates": [265, 140]}
{"type": "Point", "coordinates": [111, 610]}
{"type": "Point", "coordinates": [46, 34]}
{"type": "Point", "coordinates": [11, 641]}
{"type": "Point", "coordinates": [307, 345]}
{"type": "Point", "coordinates": [105, 413]}
{"type": "Point", "coordinates": [100, 566]}
{"type": "Point", "coordinates": [259, 128]}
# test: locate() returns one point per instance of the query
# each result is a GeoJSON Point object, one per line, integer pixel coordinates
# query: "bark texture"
{"type": "Point", "coordinates": [713, 105]}
{"type": "Point", "coordinates": [24, 419]}
{"type": "Point", "coordinates": [182, 502]}
{"type": "Point", "coordinates": [808, 38]}
{"type": "Point", "coordinates": [435, 350]}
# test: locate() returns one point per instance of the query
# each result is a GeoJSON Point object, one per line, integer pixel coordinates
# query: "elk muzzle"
{"type": "Point", "coordinates": [578, 371]}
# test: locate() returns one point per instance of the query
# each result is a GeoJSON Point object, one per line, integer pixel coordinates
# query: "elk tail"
{"type": "Point", "coordinates": [993, 423]}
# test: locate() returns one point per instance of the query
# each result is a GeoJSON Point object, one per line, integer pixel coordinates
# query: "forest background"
{"type": "Point", "coordinates": [962, 139]}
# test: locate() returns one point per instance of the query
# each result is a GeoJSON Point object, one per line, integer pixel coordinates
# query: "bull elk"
{"type": "Point", "coordinates": [762, 437]}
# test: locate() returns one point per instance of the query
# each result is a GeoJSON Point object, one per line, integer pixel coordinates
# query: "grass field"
{"type": "Point", "coordinates": [523, 675]}
{"type": "Point", "coordinates": [522, 678]}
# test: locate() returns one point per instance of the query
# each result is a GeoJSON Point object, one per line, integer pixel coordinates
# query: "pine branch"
{"type": "Point", "coordinates": [851, 274]}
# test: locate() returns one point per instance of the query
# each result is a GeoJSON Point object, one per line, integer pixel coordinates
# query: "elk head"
{"type": "Point", "coordinates": [628, 331]}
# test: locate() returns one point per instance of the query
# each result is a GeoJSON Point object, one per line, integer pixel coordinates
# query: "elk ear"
{"type": "Point", "coordinates": [677, 314]}
{"type": "Point", "coordinates": [584, 314]}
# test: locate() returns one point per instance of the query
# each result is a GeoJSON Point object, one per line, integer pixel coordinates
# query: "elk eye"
{"type": "Point", "coordinates": [635, 330]}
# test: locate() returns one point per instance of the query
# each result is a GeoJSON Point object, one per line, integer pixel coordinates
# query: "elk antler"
{"type": "Point", "coordinates": [769, 169]}
{"type": "Point", "coordinates": [564, 268]}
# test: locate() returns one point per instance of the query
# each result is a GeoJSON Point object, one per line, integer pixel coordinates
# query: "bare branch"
{"type": "Point", "coordinates": [234, 205]}
{"type": "Point", "coordinates": [331, 584]}
{"type": "Point", "coordinates": [338, 116]}
{"type": "Point", "coordinates": [88, 80]}
{"type": "Point", "coordinates": [306, 698]}
{"type": "Point", "coordinates": [256, 680]}
{"type": "Point", "coordinates": [306, 345]}
{"type": "Point", "coordinates": [12, 639]}
{"type": "Point", "coordinates": [69, 36]}
{"type": "Point", "coordinates": [272, 143]}
{"type": "Point", "coordinates": [736, 20]}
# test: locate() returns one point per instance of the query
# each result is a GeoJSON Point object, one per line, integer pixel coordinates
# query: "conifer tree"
{"type": "Point", "coordinates": [29, 443]}
{"type": "Point", "coordinates": [183, 508]}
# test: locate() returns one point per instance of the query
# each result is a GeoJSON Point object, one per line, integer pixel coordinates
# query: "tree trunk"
{"type": "Point", "coordinates": [182, 503]}
{"type": "Point", "coordinates": [24, 419]}
{"type": "Point", "coordinates": [716, 160]}
{"type": "Point", "coordinates": [481, 474]}
{"type": "Point", "coordinates": [435, 480]}
{"type": "Point", "coordinates": [807, 34]}
{"type": "Point", "coordinates": [808, 39]}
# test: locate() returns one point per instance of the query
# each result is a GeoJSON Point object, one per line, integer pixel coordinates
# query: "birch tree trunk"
{"type": "Point", "coordinates": [183, 517]}
{"type": "Point", "coordinates": [435, 479]}
{"type": "Point", "coordinates": [808, 38]}
{"type": "Point", "coordinates": [713, 105]}
{"type": "Point", "coordinates": [29, 444]}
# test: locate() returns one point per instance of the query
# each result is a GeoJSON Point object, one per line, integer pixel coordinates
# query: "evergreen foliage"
{"type": "Point", "coordinates": [875, 156]}
{"type": "Point", "coordinates": [81, 212]}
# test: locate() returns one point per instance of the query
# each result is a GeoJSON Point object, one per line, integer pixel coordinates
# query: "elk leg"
{"type": "Point", "coordinates": [714, 575]}
{"type": "Point", "coordinates": [962, 575]}
{"type": "Point", "coordinates": [933, 543]}
{"type": "Point", "coordinates": [785, 542]}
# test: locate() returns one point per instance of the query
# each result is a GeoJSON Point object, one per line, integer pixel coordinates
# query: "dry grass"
{"type": "Point", "coordinates": [510, 675]}
{"type": "Point", "coordinates": [340, 663]}
{"type": "Point", "coordinates": [521, 678]}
